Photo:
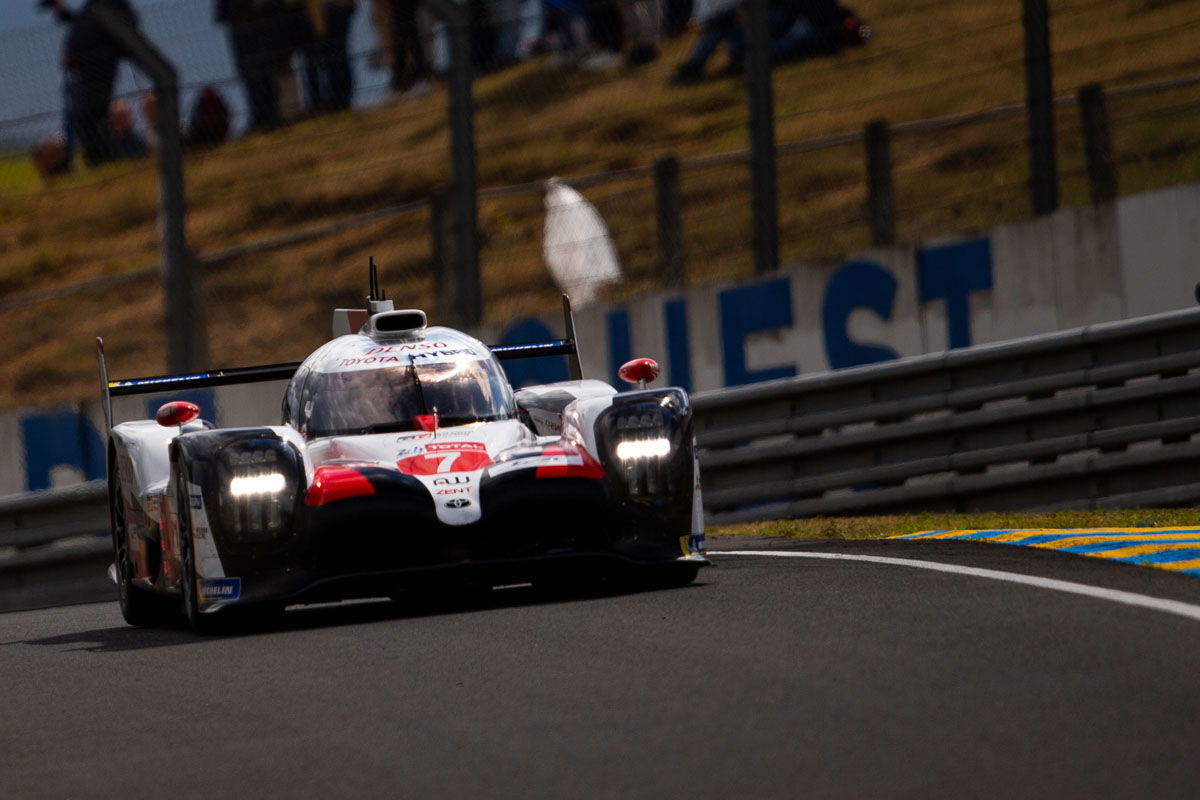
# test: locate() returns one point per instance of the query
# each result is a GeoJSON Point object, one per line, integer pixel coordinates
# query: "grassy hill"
{"type": "Point", "coordinates": [537, 120]}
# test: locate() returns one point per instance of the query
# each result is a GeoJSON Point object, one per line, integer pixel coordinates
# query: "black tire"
{"type": "Point", "coordinates": [139, 606]}
{"type": "Point", "coordinates": [666, 576]}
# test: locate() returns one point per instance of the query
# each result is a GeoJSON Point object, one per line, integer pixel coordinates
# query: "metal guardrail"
{"type": "Point", "coordinates": [1101, 416]}
{"type": "Point", "coordinates": [41, 518]}
{"type": "Point", "coordinates": [55, 547]}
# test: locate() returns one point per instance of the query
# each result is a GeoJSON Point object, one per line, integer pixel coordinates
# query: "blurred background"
{"type": "Point", "coordinates": [317, 133]}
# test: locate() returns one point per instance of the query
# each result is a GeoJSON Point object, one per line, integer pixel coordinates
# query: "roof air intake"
{"type": "Point", "coordinates": [396, 323]}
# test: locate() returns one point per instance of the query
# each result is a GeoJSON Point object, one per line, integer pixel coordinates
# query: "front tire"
{"type": "Point", "coordinates": [139, 606]}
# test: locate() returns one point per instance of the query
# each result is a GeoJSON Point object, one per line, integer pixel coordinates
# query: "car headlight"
{"type": "Point", "coordinates": [643, 448]}
{"type": "Point", "coordinates": [256, 487]}
{"type": "Point", "coordinates": [267, 483]}
{"type": "Point", "coordinates": [647, 436]}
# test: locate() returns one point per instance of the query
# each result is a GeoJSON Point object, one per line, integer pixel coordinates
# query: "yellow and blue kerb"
{"type": "Point", "coordinates": [1173, 549]}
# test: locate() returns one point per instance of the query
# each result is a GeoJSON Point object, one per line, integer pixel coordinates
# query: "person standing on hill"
{"type": "Point", "coordinates": [518, 25]}
{"type": "Point", "coordinates": [246, 27]}
{"type": "Point", "coordinates": [399, 33]}
{"type": "Point", "coordinates": [264, 35]}
{"type": "Point", "coordinates": [718, 21]}
{"type": "Point", "coordinates": [642, 24]}
{"type": "Point", "coordinates": [91, 57]}
{"type": "Point", "coordinates": [329, 76]}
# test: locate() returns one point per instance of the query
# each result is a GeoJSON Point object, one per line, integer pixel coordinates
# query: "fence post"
{"type": "Point", "coordinates": [762, 137]}
{"type": "Point", "coordinates": [461, 297]}
{"type": "Point", "coordinates": [669, 205]}
{"type": "Point", "coordinates": [1102, 172]}
{"type": "Point", "coordinates": [1039, 104]}
{"type": "Point", "coordinates": [187, 338]}
{"type": "Point", "coordinates": [442, 240]}
{"type": "Point", "coordinates": [881, 200]}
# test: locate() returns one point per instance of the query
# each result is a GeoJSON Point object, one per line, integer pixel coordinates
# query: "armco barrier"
{"type": "Point", "coordinates": [1102, 416]}
{"type": "Point", "coordinates": [55, 547]}
{"type": "Point", "coordinates": [1093, 417]}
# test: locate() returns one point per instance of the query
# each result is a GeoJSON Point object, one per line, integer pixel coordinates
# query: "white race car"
{"type": "Point", "coordinates": [403, 457]}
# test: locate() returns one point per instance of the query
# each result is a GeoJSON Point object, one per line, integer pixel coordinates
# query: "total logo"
{"type": "Point", "coordinates": [458, 502]}
{"type": "Point", "coordinates": [446, 458]}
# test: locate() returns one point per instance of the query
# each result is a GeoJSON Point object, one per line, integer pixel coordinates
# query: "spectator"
{"type": "Point", "coordinates": [329, 75]}
{"type": "Point", "coordinates": [247, 28]}
{"type": "Point", "coordinates": [264, 35]}
{"type": "Point", "coordinates": [518, 29]}
{"type": "Point", "coordinates": [719, 22]}
{"type": "Point", "coordinates": [50, 156]}
{"type": "Point", "coordinates": [481, 37]}
{"type": "Point", "coordinates": [292, 26]}
{"type": "Point", "coordinates": [149, 104]}
{"type": "Point", "coordinates": [677, 14]}
{"type": "Point", "coordinates": [642, 24]}
{"type": "Point", "coordinates": [126, 143]}
{"type": "Point", "coordinates": [799, 29]}
{"type": "Point", "coordinates": [90, 59]}
{"type": "Point", "coordinates": [396, 22]}
{"type": "Point", "coordinates": [808, 28]}
{"type": "Point", "coordinates": [209, 123]}
{"type": "Point", "coordinates": [572, 34]}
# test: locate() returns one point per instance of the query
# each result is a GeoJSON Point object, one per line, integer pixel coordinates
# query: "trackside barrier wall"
{"type": "Point", "coordinates": [1101, 416]}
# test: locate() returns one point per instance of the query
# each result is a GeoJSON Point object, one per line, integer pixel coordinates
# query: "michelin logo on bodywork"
{"type": "Point", "coordinates": [214, 590]}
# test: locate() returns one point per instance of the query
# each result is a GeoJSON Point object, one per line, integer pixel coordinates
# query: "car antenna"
{"type": "Point", "coordinates": [376, 298]}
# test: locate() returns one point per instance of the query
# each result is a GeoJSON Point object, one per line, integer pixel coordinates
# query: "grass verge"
{"type": "Point", "coordinates": [886, 525]}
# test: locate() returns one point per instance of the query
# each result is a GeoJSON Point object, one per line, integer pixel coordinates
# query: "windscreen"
{"type": "Point", "coordinates": [387, 399]}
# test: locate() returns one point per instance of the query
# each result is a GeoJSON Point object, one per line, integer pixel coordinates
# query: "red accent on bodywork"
{"type": "Point", "coordinates": [177, 412]}
{"type": "Point", "coordinates": [336, 483]}
{"type": "Point", "coordinates": [587, 468]}
{"type": "Point", "coordinates": [426, 422]}
{"type": "Point", "coordinates": [638, 370]}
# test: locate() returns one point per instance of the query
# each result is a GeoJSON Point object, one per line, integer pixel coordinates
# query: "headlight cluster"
{"type": "Point", "coordinates": [256, 488]}
{"type": "Point", "coordinates": [648, 437]}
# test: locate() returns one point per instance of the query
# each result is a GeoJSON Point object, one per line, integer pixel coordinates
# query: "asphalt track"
{"type": "Point", "coordinates": [771, 677]}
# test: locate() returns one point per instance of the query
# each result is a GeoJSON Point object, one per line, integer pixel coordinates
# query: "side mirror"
{"type": "Point", "coordinates": [640, 371]}
{"type": "Point", "coordinates": [177, 412]}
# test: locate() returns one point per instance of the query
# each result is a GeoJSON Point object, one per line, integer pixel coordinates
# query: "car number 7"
{"type": "Point", "coordinates": [447, 460]}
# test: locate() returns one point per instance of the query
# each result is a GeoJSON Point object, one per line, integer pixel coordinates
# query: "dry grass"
{"type": "Point", "coordinates": [883, 526]}
{"type": "Point", "coordinates": [534, 121]}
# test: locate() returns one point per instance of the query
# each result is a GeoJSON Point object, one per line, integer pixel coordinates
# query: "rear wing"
{"type": "Point", "coordinates": [282, 372]}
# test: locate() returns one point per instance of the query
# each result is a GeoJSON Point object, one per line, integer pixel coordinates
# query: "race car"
{"type": "Point", "coordinates": [404, 459]}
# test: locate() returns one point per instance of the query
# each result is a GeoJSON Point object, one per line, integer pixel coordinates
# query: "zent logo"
{"type": "Point", "coordinates": [452, 480]}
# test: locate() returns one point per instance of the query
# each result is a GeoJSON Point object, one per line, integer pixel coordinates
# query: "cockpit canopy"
{"type": "Point", "coordinates": [462, 382]}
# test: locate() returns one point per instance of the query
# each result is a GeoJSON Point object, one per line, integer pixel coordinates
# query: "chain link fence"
{"type": "Point", "coordinates": [282, 221]}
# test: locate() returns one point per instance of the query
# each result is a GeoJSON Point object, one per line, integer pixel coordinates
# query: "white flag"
{"type": "Point", "coordinates": [576, 245]}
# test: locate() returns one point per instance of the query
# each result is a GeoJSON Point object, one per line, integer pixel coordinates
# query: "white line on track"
{"type": "Point", "coordinates": [1176, 607]}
